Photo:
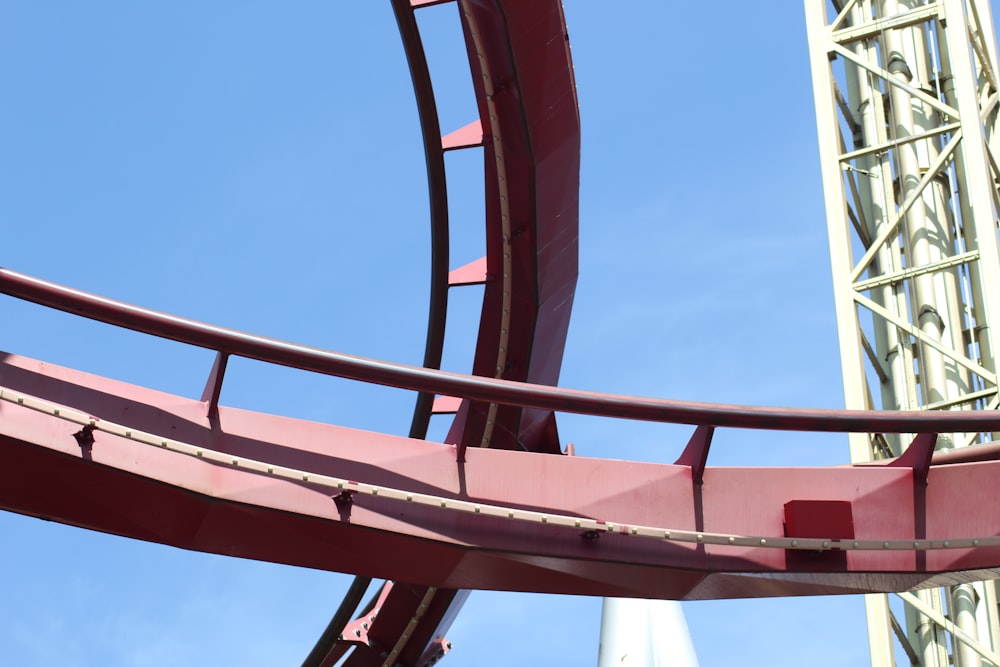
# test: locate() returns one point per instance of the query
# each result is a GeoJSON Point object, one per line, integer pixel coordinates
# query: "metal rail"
{"type": "Point", "coordinates": [486, 390]}
{"type": "Point", "coordinates": [490, 510]}
{"type": "Point", "coordinates": [325, 651]}
{"type": "Point", "coordinates": [403, 376]}
{"type": "Point", "coordinates": [328, 650]}
{"type": "Point", "coordinates": [437, 189]}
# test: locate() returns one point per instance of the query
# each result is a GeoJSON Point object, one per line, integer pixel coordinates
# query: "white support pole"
{"type": "Point", "coordinates": [644, 633]}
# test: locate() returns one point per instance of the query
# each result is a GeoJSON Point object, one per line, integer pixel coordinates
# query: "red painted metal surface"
{"type": "Point", "coordinates": [522, 72]}
{"type": "Point", "coordinates": [529, 129]}
{"type": "Point", "coordinates": [522, 75]}
{"type": "Point", "coordinates": [469, 136]}
{"type": "Point", "coordinates": [123, 487]}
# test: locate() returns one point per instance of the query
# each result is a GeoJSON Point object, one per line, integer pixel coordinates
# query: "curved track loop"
{"type": "Point", "coordinates": [437, 188]}
{"type": "Point", "coordinates": [530, 264]}
{"type": "Point", "coordinates": [531, 233]}
{"type": "Point", "coordinates": [336, 640]}
{"type": "Point", "coordinates": [100, 454]}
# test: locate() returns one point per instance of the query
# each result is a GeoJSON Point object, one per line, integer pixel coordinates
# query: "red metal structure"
{"type": "Point", "coordinates": [498, 506]}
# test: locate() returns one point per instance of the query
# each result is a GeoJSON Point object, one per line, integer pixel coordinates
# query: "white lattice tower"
{"type": "Point", "coordinates": [907, 102]}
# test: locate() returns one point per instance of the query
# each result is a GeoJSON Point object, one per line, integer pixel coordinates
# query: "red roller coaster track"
{"type": "Point", "coordinates": [497, 506]}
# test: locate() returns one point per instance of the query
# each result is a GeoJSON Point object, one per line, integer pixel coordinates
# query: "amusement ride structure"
{"type": "Point", "coordinates": [906, 100]}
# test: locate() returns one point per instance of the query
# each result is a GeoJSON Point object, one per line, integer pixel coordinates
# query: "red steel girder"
{"type": "Point", "coordinates": [121, 486]}
{"type": "Point", "coordinates": [526, 93]}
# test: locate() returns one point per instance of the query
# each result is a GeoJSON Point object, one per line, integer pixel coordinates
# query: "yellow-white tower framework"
{"type": "Point", "coordinates": [907, 98]}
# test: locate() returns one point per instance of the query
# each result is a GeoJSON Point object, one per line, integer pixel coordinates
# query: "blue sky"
{"type": "Point", "coordinates": [259, 167]}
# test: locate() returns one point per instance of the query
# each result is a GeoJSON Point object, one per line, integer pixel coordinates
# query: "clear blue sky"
{"type": "Point", "coordinates": [258, 165]}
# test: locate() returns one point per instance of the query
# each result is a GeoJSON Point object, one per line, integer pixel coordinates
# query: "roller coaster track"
{"type": "Point", "coordinates": [497, 506]}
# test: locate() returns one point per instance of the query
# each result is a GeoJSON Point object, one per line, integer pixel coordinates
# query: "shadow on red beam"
{"type": "Point", "coordinates": [219, 506]}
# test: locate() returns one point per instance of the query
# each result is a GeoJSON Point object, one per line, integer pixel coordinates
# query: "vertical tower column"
{"type": "Point", "coordinates": [906, 96]}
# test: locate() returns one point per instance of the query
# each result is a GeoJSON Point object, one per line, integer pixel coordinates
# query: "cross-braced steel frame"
{"type": "Point", "coordinates": [906, 101]}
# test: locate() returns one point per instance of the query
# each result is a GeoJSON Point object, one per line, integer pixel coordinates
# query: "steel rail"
{"type": "Point", "coordinates": [331, 635]}
{"type": "Point", "coordinates": [403, 376]}
{"type": "Point", "coordinates": [513, 311]}
{"type": "Point", "coordinates": [552, 517]}
{"type": "Point", "coordinates": [327, 649]}
{"type": "Point", "coordinates": [437, 187]}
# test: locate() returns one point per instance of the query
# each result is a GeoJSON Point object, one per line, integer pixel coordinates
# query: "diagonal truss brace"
{"type": "Point", "coordinates": [948, 626]}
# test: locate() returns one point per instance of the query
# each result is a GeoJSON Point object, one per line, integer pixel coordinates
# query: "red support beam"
{"type": "Point", "coordinates": [502, 520]}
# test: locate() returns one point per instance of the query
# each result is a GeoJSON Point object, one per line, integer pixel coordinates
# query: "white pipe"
{"type": "Point", "coordinates": [644, 633]}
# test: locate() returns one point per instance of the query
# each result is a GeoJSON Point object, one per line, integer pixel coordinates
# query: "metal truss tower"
{"type": "Point", "coordinates": [906, 98]}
